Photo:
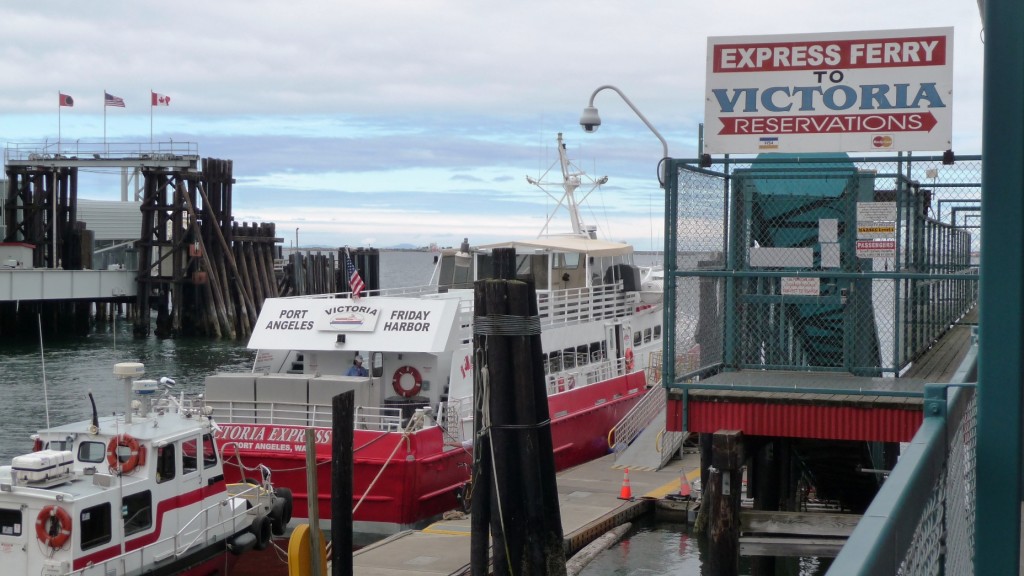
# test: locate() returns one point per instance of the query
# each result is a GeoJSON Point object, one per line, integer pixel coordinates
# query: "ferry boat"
{"type": "Point", "coordinates": [142, 492]}
{"type": "Point", "coordinates": [601, 321]}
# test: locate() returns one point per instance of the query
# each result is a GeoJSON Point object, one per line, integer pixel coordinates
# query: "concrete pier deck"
{"type": "Point", "coordinates": [588, 497]}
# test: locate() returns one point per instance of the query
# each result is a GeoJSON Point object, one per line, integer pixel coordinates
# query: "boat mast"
{"type": "Point", "coordinates": [570, 182]}
{"type": "Point", "coordinates": [572, 177]}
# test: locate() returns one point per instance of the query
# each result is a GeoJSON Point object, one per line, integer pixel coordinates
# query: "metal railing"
{"type": "Point", "coordinates": [832, 264]}
{"type": "Point", "coordinates": [922, 521]}
{"type": "Point", "coordinates": [100, 150]}
{"type": "Point", "coordinates": [577, 305]}
{"type": "Point", "coordinates": [639, 417]}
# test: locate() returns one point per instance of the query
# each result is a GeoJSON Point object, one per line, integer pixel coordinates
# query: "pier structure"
{"type": "Point", "coordinates": [201, 271]}
{"type": "Point", "coordinates": [170, 245]}
{"type": "Point", "coordinates": [814, 299]}
{"type": "Point", "coordinates": [67, 260]}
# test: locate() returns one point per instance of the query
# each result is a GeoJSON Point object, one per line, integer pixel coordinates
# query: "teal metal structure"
{"type": "Point", "coordinates": [1001, 323]}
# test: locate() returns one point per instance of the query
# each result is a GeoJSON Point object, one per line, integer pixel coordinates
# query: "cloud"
{"type": "Point", "coordinates": [404, 119]}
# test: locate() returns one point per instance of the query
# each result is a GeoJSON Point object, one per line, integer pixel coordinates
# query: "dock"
{"type": "Point", "coordinates": [588, 496]}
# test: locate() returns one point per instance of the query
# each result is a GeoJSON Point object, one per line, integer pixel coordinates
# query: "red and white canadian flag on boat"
{"type": "Point", "coordinates": [160, 99]}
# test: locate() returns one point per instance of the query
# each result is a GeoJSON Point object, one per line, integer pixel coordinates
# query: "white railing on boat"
{"type": "Point", "coordinates": [567, 306]}
{"type": "Point", "coordinates": [577, 305]}
{"type": "Point", "coordinates": [373, 418]}
{"type": "Point", "coordinates": [137, 561]}
{"type": "Point", "coordinates": [457, 421]}
{"type": "Point", "coordinates": [387, 419]}
{"type": "Point", "coordinates": [584, 375]}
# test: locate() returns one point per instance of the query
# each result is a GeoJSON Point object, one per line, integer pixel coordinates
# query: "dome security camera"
{"type": "Point", "coordinates": [590, 121]}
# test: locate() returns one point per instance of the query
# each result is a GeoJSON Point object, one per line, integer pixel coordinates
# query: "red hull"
{"type": "Point", "coordinates": [419, 478]}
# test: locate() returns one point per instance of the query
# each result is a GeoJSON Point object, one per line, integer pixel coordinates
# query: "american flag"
{"type": "Point", "coordinates": [111, 100]}
{"type": "Point", "coordinates": [355, 282]}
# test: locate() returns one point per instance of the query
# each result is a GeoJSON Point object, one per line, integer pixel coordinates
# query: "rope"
{"type": "Point", "coordinates": [405, 436]}
{"type": "Point", "coordinates": [505, 325]}
{"type": "Point", "coordinates": [484, 375]}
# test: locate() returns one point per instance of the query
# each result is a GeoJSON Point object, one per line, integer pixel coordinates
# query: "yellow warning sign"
{"type": "Point", "coordinates": [876, 230]}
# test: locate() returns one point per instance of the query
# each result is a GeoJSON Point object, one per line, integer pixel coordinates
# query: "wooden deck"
{"type": "Point", "coordinates": [941, 361]}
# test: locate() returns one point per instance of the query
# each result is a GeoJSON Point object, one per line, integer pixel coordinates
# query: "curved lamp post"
{"type": "Point", "coordinates": [590, 121]}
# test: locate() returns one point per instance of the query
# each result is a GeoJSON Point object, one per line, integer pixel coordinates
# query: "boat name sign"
{"type": "Point", "coordinates": [411, 324]}
{"type": "Point", "coordinates": [271, 438]}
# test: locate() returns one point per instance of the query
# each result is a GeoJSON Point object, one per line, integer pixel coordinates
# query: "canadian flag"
{"type": "Point", "coordinates": [160, 99]}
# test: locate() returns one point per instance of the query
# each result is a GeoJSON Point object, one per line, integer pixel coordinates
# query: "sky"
{"type": "Point", "coordinates": [394, 122]}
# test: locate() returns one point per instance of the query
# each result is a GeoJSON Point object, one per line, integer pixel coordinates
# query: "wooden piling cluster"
{"type": "Point", "coordinates": [323, 272]}
{"type": "Point", "coordinates": [312, 272]}
{"type": "Point", "coordinates": [515, 497]}
{"type": "Point", "coordinates": [41, 209]}
{"type": "Point", "coordinates": [205, 274]}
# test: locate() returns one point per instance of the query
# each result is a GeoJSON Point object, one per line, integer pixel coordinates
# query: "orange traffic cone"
{"type": "Point", "coordinates": [626, 493]}
{"type": "Point", "coordinates": [684, 486]}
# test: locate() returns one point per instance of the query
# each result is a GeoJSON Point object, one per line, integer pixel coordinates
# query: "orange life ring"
{"type": "Point", "coordinates": [417, 382]}
{"type": "Point", "coordinates": [629, 358]}
{"type": "Point", "coordinates": [136, 457]}
{"type": "Point", "coordinates": [53, 534]}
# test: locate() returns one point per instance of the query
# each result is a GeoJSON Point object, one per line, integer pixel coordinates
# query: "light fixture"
{"type": "Point", "coordinates": [590, 121]}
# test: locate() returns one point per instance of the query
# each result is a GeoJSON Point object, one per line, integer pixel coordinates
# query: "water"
{"type": "Point", "coordinates": [655, 548]}
{"type": "Point", "coordinates": [76, 366]}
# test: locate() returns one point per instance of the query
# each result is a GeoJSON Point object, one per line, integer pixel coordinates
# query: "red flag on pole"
{"type": "Point", "coordinates": [66, 100]}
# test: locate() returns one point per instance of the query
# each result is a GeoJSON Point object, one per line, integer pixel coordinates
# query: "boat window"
{"type": "Point", "coordinates": [60, 445]}
{"type": "Point", "coordinates": [539, 269]}
{"type": "Point", "coordinates": [92, 452]}
{"type": "Point", "coordinates": [582, 355]}
{"type": "Point", "coordinates": [189, 451]}
{"type": "Point", "coordinates": [95, 523]}
{"type": "Point", "coordinates": [10, 522]}
{"type": "Point", "coordinates": [554, 362]}
{"type": "Point", "coordinates": [137, 512]}
{"type": "Point", "coordinates": [568, 359]}
{"type": "Point", "coordinates": [647, 335]}
{"type": "Point", "coordinates": [567, 261]}
{"type": "Point", "coordinates": [455, 270]}
{"type": "Point", "coordinates": [657, 332]}
{"type": "Point", "coordinates": [209, 452]}
{"type": "Point", "coordinates": [377, 364]}
{"type": "Point", "coordinates": [165, 463]}
{"type": "Point", "coordinates": [637, 338]}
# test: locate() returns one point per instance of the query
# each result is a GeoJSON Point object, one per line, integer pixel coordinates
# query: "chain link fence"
{"type": "Point", "coordinates": [820, 262]}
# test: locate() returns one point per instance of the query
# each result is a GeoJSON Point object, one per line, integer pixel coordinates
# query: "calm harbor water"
{"type": "Point", "coordinates": [74, 367]}
{"type": "Point", "coordinates": [655, 548]}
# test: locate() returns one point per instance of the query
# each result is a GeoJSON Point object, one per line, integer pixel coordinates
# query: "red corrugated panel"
{"type": "Point", "coordinates": [674, 415]}
{"type": "Point", "coordinates": [823, 422]}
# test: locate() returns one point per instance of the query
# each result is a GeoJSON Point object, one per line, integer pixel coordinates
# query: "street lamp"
{"type": "Point", "coordinates": [590, 121]}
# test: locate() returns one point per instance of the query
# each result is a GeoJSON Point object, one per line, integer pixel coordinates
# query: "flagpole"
{"type": "Point", "coordinates": [151, 118]}
{"type": "Point", "coordinates": [104, 121]}
{"type": "Point", "coordinates": [58, 121]}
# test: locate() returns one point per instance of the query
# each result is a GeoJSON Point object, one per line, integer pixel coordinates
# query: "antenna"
{"type": "Point", "coordinates": [42, 359]}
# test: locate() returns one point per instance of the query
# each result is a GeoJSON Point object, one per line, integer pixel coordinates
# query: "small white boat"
{"type": "Point", "coordinates": [141, 492]}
